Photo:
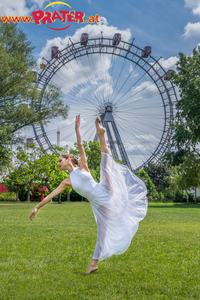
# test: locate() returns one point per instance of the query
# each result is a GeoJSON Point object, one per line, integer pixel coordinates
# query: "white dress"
{"type": "Point", "coordinates": [118, 202]}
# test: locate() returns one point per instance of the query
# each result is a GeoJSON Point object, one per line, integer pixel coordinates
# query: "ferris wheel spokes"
{"type": "Point", "coordinates": [95, 89]}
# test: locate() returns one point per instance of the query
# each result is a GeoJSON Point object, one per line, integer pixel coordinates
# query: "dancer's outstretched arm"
{"type": "Point", "coordinates": [64, 184]}
{"type": "Point", "coordinates": [83, 159]}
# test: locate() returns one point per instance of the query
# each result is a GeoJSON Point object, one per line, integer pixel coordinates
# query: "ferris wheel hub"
{"type": "Point", "coordinates": [109, 107]}
{"type": "Point", "coordinates": [106, 107]}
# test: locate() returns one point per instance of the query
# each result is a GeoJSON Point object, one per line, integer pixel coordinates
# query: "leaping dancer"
{"type": "Point", "coordinates": [118, 202]}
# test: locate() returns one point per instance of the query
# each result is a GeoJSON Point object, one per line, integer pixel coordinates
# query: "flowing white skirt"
{"type": "Point", "coordinates": [119, 206]}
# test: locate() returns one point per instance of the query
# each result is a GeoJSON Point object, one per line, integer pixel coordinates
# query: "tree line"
{"type": "Point", "coordinates": [184, 159]}
{"type": "Point", "coordinates": [34, 168]}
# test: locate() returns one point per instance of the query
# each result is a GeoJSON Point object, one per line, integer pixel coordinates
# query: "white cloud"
{"type": "Point", "coordinates": [141, 138]}
{"type": "Point", "coordinates": [169, 63]}
{"type": "Point", "coordinates": [83, 91]}
{"type": "Point", "coordinates": [67, 122]}
{"type": "Point", "coordinates": [63, 144]}
{"type": "Point", "coordinates": [147, 87]}
{"type": "Point", "coordinates": [105, 88]}
{"type": "Point", "coordinates": [192, 29]}
{"type": "Point", "coordinates": [134, 74]}
{"type": "Point", "coordinates": [103, 21]}
{"type": "Point", "coordinates": [130, 68]}
{"type": "Point", "coordinates": [14, 8]}
{"type": "Point", "coordinates": [194, 4]}
{"type": "Point", "coordinates": [19, 7]}
{"type": "Point", "coordinates": [40, 3]}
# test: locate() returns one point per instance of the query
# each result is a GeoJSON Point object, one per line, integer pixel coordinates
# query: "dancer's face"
{"type": "Point", "coordinates": [64, 164]}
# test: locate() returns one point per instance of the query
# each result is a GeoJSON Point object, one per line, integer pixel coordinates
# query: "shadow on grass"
{"type": "Point", "coordinates": [174, 205]}
{"type": "Point", "coordinates": [19, 205]}
{"type": "Point", "coordinates": [81, 272]}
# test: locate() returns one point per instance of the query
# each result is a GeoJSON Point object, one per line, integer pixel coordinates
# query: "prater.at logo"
{"type": "Point", "coordinates": [64, 17]}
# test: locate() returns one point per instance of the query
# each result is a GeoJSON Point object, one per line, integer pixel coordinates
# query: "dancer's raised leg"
{"type": "Point", "coordinates": [100, 131]}
{"type": "Point", "coordinates": [106, 180]}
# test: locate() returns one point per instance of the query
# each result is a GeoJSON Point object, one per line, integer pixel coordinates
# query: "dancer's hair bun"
{"type": "Point", "coordinates": [73, 158]}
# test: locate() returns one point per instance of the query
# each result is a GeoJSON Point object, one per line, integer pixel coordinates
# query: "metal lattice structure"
{"type": "Point", "coordinates": [127, 51]}
{"type": "Point", "coordinates": [107, 117]}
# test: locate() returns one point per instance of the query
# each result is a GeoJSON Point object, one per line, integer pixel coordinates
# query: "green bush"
{"type": "Point", "coordinates": [151, 189]}
{"type": "Point", "coordinates": [9, 196]}
{"type": "Point", "coordinates": [23, 191]}
{"type": "Point", "coordinates": [198, 199]}
{"type": "Point", "coordinates": [181, 197]}
{"type": "Point", "coordinates": [74, 196]}
{"type": "Point", "coordinates": [161, 197]}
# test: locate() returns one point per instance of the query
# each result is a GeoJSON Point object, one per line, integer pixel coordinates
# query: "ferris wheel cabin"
{"type": "Point", "coordinates": [116, 39]}
{"type": "Point", "coordinates": [167, 74]}
{"type": "Point", "coordinates": [84, 39]}
{"type": "Point", "coordinates": [146, 51]}
{"type": "Point", "coordinates": [54, 52]}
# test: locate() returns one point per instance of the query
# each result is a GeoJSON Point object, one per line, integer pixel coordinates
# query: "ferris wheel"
{"type": "Point", "coordinates": [122, 84]}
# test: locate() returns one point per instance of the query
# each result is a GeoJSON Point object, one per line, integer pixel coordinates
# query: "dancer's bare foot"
{"type": "Point", "coordinates": [91, 269]}
{"type": "Point", "coordinates": [100, 129]}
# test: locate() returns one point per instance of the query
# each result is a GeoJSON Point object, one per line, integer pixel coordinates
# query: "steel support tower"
{"type": "Point", "coordinates": [116, 141]}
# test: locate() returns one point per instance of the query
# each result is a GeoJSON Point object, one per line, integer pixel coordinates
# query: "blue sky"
{"type": "Point", "coordinates": [169, 27]}
{"type": "Point", "coordinates": [158, 23]}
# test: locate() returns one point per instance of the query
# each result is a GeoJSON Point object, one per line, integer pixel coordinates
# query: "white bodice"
{"type": "Point", "coordinates": [84, 184]}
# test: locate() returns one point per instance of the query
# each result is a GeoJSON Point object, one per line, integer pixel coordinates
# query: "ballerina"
{"type": "Point", "coordinates": [118, 202]}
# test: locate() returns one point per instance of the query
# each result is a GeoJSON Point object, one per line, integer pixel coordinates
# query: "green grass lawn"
{"type": "Point", "coordinates": [46, 258]}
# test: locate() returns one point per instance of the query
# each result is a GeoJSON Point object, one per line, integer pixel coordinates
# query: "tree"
{"type": "Point", "coordinates": [186, 176]}
{"type": "Point", "coordinates": [21, 104]}
{"type": "Point", "coordinates": [187, 121]}
{"type": "Point", "coordinates": [15, 178]}
{"type": "Point", "coordinates": [191, 171]}
{"type": "Point", "coordinates": [32, 165]}
{"type": "Point", "coordinates": [151, 190]}
{"type": "Point", "coordinates": [92, 152]}
{"type": "Point", "coordinates": [174, 157]}
{"type": "Point", "coordinates": [188, 81]}
{"type": "Point", "coordinates": [157, 173]}
{"type": "Point", "coordinates": [47, 171]}
{"type": "Point", "coordinates": [5, 150]}
{"type": "Point", "coordinates": [175, 182]}
{"type": "Point", "coordinates": [27, 161]}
